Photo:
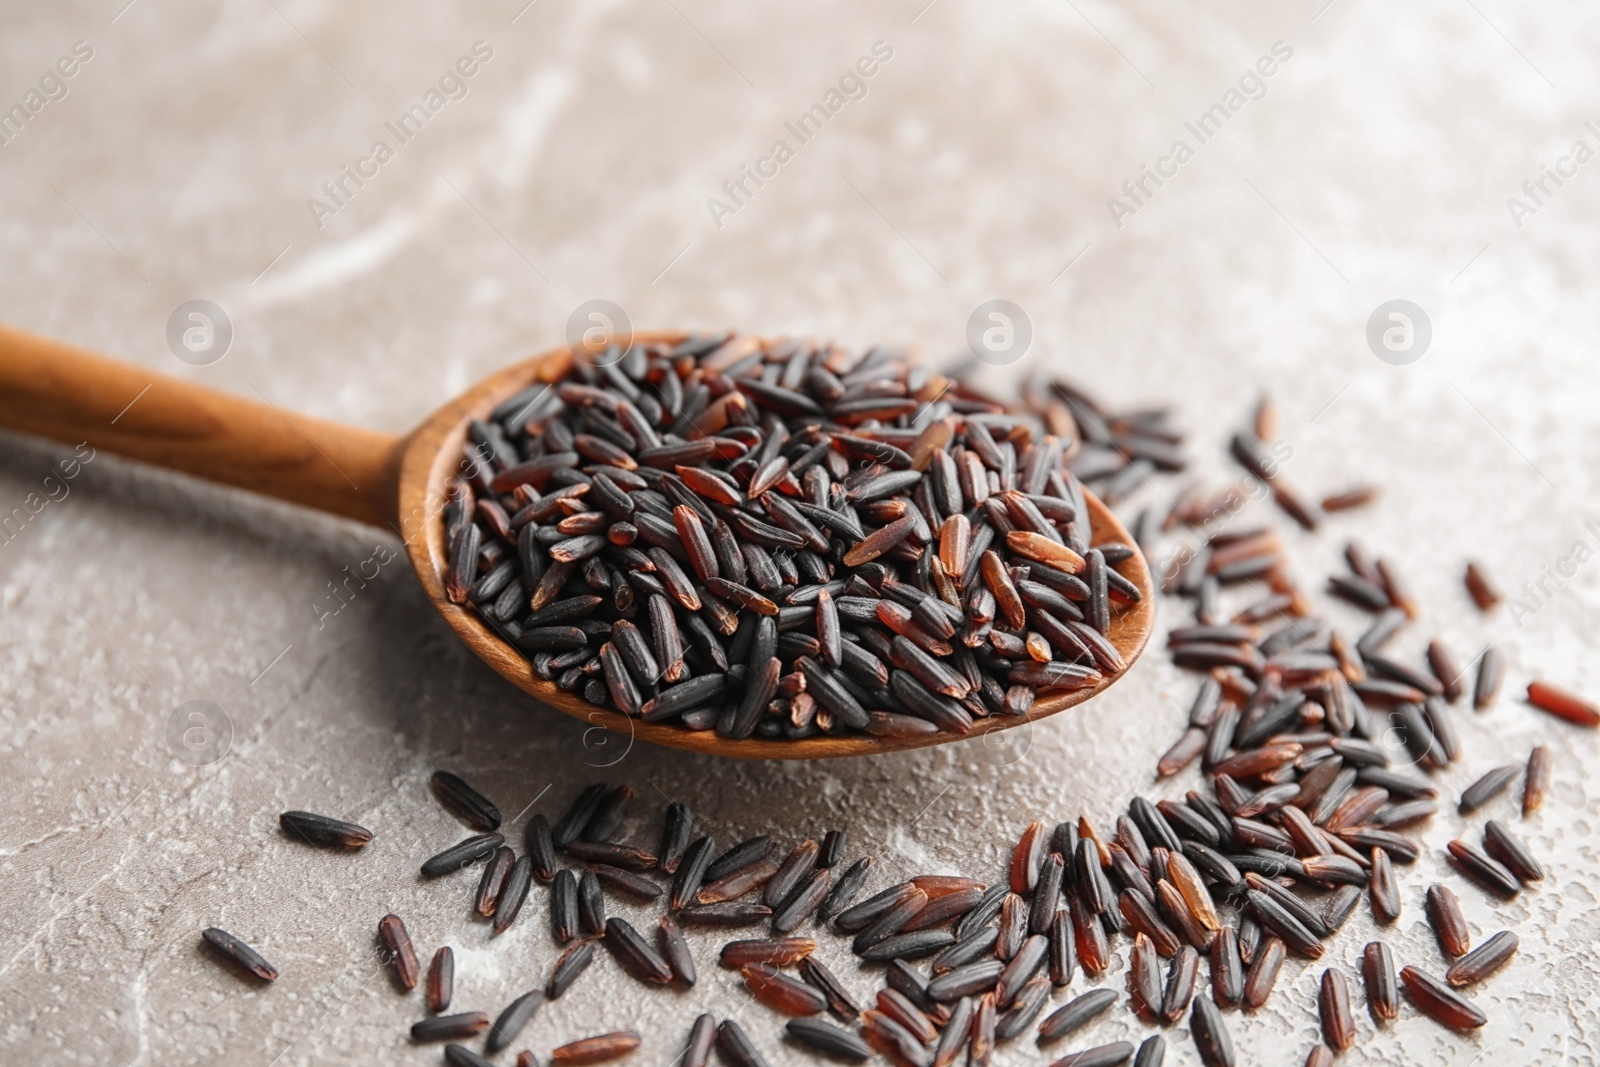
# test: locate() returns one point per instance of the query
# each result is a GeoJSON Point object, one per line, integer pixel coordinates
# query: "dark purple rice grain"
{"type": "Point", "coordinates": [1014, 926]}
{"type": "Point", "coordinates": [323, 831]}
{"type": "Point", "coordinates": [1439, 1002]}
{"type": "Point", "coordinates": [1210, 1034]}
{"type": "Point", "coordinates": [900, 1008]}
{"type": "Point", "coordinates": [979, 943]}
{"type": "Point", "coordinates": [1483, 960]}
{"type": "Point", "coordinates": [1491, 675]}
{"type": "Point", "coordinates": [1508, 849]}
{"type": "Point", "coordinates": [1449, 924]}
{"type": "Point", "coordinates": [1025, 1008]}
{"type": "Point", "coordinates": [833, 844]}
{"type": "Point", "coordinates": [1227, 971]}
{"type": "Point", "coordinates": [1182, 973]}
{"type": "Point", "coordinates": [449, 1027]}
{"type": "Point", "coordinates": [859, 916]}
{"type": "Point", "coordinates": [675, 950]}
{"type": "Point", "coordinates": [441, 979]}
{"type": "Point", "coordinates": [576, 820]}
{"type": "Point", "coordinates": [1481, 868]}
{"type": "Point", "coordinates": [1334, 870]}
{"type": "Point", "coordinates": [691, 873]}
{"type": "Point", "coordinates": [1046, 899]}
{"type": "Point", "coordinates": [462, 1056]}
{"type": "Point", "coordinates": [1378, 976]}
{"type": "Point", "coordinates": [957, 1031]}
{"type": "Point", "coordinates": [1333, 1008]}
{"type": "Point", "coordinates": [738, 883]}
{"type": "Point", "coordinates": [729, 913]}
{"type": "Point", "coordinates": [564, 906]}
{"type": "Point", "coordinates": [1263, 972]}
{"type": "Point", "coordinates": [572, 963]}
{"type": "Point", "coordinates": [1442, 721]}
{"type": "Point", "coordinates": [460, 856]}
{"type": "Point", "coordinates": [740, 855]}
{"type": "Point", "coordinates": [1140, 913]}
{"type": "Point", "coordinates": [1485, 789]}
{"type": "Point", "coordinates": [247, 958]}
{"type": "Point", "coordinates": [540, 848]}
{"type": "Point", "coordinates": [509, 1023]}
{"type": "Point", "coordinates": [1100, 1056]}
{"type": "Point", "coordinates": [634, 953]}
{"type": "Point", "coordinates": [840, 1001]}
{"type": "Point", "coordinates": [1152, 1052]}
{"type": "Point", "coordinates": [802, 903]}
{"type": "Point", "coordinates": [464, 802]}
{"type": "Point", "coordinates": [613, 807]}
{"type": "Point", "coordinates": [1020, 969]}
{"type": "Point", "coordinates": [829, 1039]}
{"type": "Point", "coordinates": [918, 945]}
{"type": "Point", "coordinates": [980, 1046]}
{"type": "Point", "coordinates": [494, 878]}
{"type": "Point", "coordinates": [736, 1046]}
{"type": "Point", "coordinates": [636, 885]}
{"type": "Point", "coordinates": [1075, 1014]}
{"type": "Point", "coordinates": [797, 866]}
{"type": "Point", "coordinates": [591, 905]}
{"type": "Point", "coordinates": [1090, 879]}
{"type": "Point", "coordinates": [1292, 905]}
{"type": "Point", "coordinates": [397, 946]}
{"type": "Point", "coordinates": [702, 1036]}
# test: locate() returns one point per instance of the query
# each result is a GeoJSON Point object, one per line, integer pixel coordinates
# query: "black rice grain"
{"type": "Point", "coordinates": [1439, 1002]}
{"type": "Point", "coordinates": [564, 906]}
{"type": "Point", "coordinates": [449, 1027]}
{"type": "Point", "coordinates": [591, 904]}
{"type": "Point", "coordinates": [571, 963]}
{"type": "Point", "coordinates": [1100, 1056]}
{"type": "Point", "coordinates": [1075, 1014]}
{"type": "Point", "coordinates": [401, 956]}
{"type": "Point", "coordinates": [1210, 1034]}
{"type": "Point", "coordinates": [509, 1023]}
{"type": "Point", "coordinates": [736, 1047]}
{"type": "Point", "coordinates": [441, 979]}
{"type": "Point", "coordinates": [1378, 976]}
{"type": "Point", "coordinates": [675, 950]}
{"type": "Point", "coordinates": [1509, 850]}
{"type": "Point", "coordinates": [634, 953]}
{"type": "Point", "coordinates": [247, 958]}
{"type": "Point", "coordinates": [461, 856]}
{"type": "Point", "coordinates": [323, 831]}
{"type": "Point", "coordinates": [1483, 960]}
{"type": "Point", "coordinates": [828, 1038]}
{"type": "Point", "coordinates": [702, 1036]}
{"type": "Point", "coordinates": [464, 802]}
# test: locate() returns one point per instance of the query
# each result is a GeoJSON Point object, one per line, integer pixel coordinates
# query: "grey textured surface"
{"type": "Point", "coordinates": [1377, 165]}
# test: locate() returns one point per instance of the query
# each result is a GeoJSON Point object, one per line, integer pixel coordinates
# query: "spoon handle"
{"type": "Point", "coordinates": [55, 390]}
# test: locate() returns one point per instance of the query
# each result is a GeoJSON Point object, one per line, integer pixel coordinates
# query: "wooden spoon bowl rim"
{"type": "Point", "coordinates": [432, 457]}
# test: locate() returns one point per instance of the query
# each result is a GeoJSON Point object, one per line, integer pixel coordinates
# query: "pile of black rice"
{"type": "Point", "coordinates": [1317, 752]}
{"type": "Point", "coordinates": [782, 540]}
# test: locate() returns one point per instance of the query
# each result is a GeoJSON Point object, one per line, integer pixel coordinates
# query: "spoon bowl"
{"type": "Point", "coordinates": [54, 390]}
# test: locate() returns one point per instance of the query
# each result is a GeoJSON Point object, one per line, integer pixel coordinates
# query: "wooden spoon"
{"type": "Point", "coordinates": [51, 389]}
